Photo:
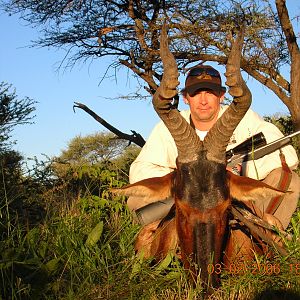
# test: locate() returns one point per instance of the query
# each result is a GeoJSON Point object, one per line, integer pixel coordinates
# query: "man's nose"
{"type": "Point", "coordinates": [202, 98]}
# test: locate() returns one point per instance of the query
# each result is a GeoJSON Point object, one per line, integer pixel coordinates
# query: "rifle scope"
{"type": "Point", "coordinates": [254, 142]}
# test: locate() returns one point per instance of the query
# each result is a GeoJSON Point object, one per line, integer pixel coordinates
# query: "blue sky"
{"type": "Point", "coordinates": [33, 72]}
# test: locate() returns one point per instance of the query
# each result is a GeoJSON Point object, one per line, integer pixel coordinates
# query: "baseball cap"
{"type": "Point", "coordinates": [203, 77]}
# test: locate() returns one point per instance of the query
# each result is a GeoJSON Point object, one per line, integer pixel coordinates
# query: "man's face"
{"type": "Point", "coordinates": [204, 105]}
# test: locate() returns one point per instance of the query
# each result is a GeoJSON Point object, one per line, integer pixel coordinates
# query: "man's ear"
{"type": "Point", "coordinates": [185, 100]}
{"type": "Point", "coordinates": [222, 97]}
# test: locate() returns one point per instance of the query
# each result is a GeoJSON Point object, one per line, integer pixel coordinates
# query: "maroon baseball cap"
{"type": "Point", "coordinates": [203, 77]}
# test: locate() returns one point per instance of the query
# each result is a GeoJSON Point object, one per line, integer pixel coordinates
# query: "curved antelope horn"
{"type": "Point", "coordinates": [187, 142]}
{"type": "Point", "coordinates": [218, 137]}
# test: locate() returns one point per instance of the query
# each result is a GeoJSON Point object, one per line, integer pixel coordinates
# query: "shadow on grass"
{"type": "Point", "coordinates": [277, 295]}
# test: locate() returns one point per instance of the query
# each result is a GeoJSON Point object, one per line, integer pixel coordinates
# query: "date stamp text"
{"type": "Point", "coordinates": [254, 268]}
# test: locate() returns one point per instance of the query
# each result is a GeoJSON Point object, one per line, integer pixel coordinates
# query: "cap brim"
{"type": "Point", "coordinates": [204, 85]}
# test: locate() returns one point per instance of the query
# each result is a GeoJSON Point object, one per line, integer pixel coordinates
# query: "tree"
{"type": "Point", "coordinates": [13, 112]}
{"type": "Point", "coordinates": [127, 30]}
{"type": "Point", "coordinates": [93, 162]}
{"type": "Point", "coordinates": [94, 149]}
{"type": "Point", "coordinates": [13, 193]}
{"type": "Point", "coordinates": [285, 125]}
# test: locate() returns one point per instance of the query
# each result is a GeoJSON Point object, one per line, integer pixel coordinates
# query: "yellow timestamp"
{"type": "Point", "coordinates": [254, 268]}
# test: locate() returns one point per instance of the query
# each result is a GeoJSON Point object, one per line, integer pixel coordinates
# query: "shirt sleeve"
{"type": "Point", "coordinates": [157, 158]}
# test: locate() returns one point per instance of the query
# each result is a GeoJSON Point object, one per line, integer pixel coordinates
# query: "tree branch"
{"type": "Point", "coordinates": [141, 74]}
{"type": "Point", "coordinates": [134, 137]}
{"type": "Point", "coordinates": [287, 27]}
{"type": "Point", "coordinates": [293, 47]}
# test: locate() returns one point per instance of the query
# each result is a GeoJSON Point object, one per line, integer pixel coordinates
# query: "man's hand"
{"type": "Point", "coordinates": [237, 169]}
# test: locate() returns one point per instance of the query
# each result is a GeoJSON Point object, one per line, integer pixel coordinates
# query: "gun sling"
{"type": "Point", "coordinates": [283, 184]}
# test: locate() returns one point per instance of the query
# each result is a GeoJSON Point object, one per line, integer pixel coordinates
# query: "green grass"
{"type": "Point", "coordinates": [87, 252]}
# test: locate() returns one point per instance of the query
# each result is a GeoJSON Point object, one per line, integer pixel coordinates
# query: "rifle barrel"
{"type": "Point", "coordinates": [262, 151]}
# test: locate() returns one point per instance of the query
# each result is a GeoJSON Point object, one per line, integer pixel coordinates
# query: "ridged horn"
{"type": "Point", "coordinates": [187, 142]}
{"type": "Point", "coordinates": [219, 135]}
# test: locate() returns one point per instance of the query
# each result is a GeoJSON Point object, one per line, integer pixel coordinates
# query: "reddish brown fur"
{"type": "Point", "coordinates": [240, 248]}
{"type": "Point", "coordinates": [156, 241]}
{"type": "Point", "coordinates": [209, 215]}
{"type": "Point", "coordinates": [150, 188]}
{"type": "Point", "coordinates": [244, 188]}
{"type": "Point", "coordinates": [188, 217]}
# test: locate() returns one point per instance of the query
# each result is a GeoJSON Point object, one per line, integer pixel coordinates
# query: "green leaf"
{"type": "Point", "coordinates": [33, 235]}
{"type": "Point", "coordinates": [164, 263]}
{"type": "Point", "coordinates": [95, 235]}
{"type": "Point", "coordinates": [52, 265]}
{"type": "Point", "coordinates": [137, 264]}
{"type": "Point", "coordinates": [173, 275]}
{"type": "Point", "coordinates": [42, 249]}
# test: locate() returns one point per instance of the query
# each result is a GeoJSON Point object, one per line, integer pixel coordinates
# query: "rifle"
{"type": "Point", "coordinates": [261, 150]}
{"type": "Point", "coordinates": [253, 148]}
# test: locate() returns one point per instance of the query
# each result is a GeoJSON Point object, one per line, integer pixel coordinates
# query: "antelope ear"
{"type": "Point", "coordinates": [151, 188]}
{"type": "Point", "coordinates": [248, 189]}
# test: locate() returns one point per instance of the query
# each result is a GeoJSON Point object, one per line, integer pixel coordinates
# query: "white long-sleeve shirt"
{"type": "Point", "coordinates": [158, 156]}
